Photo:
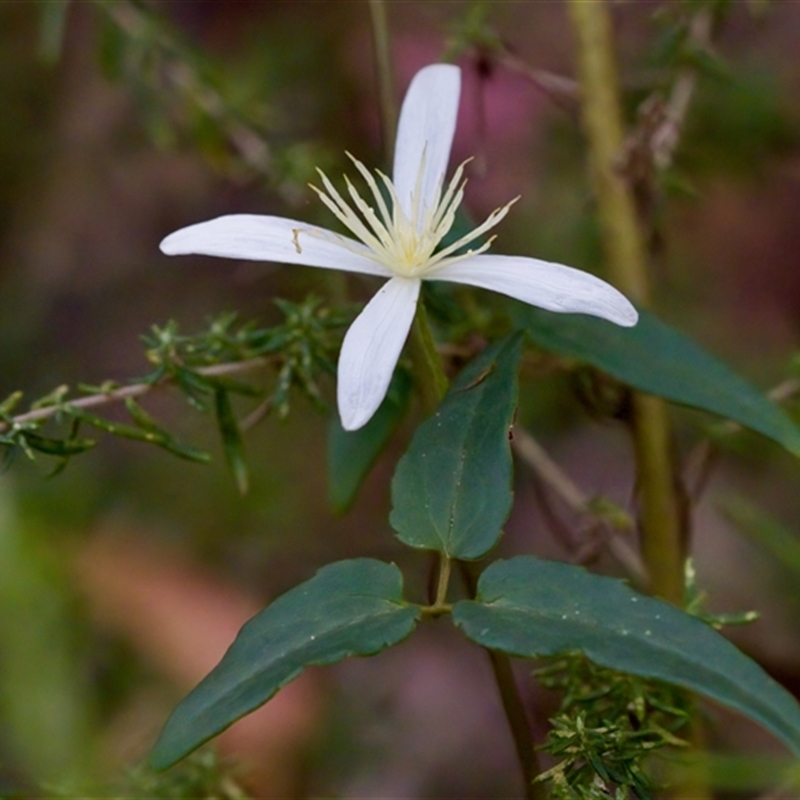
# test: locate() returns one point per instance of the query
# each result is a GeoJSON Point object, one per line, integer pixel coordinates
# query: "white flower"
{"type": "Point", "coordinates": [398, 241]}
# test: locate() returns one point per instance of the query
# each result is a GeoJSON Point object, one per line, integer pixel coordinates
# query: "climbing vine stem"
{"type": "Point", "coordinates": [662, 534]}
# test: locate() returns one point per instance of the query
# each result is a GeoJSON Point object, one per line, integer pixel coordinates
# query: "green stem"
{"type": "Point", "coordinates": [383, 61]}
{"type": "Point", "coordinates": [602, 122]}
{"type": "Point", "coordinates": [661, 518]}
{"type": "Point", "coordinates": [431, 380]}
{"type": "Point", "coordinates": [432, 383]}
{"type": "Point", "coordinates": [445, 566]}
{"type": "Point", "coordinates": [518, 722]}
{"type": "Point", "coordinates": [514, 708]}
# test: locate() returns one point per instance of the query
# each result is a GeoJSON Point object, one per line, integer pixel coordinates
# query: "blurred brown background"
{"type": "Point", "coordinates": [123, 579]}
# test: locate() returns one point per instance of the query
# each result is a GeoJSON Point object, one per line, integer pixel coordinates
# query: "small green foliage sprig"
{"type": "Point", "coordinates": [202, 367]}
{"type": "Point", "coordinates": [695, 598]}
{"type": "Point", "coordinates": [185, 97]}
{"type": "Point", "coordinates": [202, 774]}
{"type": "Point", "coordinates": [610, 723]}
{"type": "Point", "coordinates": [301, 347]}
{"type": "Point", "coordinates": [677, 44]}
{"type": "Point", "coordinates": [608, 726]}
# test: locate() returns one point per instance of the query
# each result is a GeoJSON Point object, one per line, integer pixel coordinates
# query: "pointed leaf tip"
{"type": "Point", "coordinates": [655, 358]}
{"type": "Point", "coordinates": [451, 491]}
{"type": "Point", "coordinates": [531, 607]}
{"type": "Point", "coordinates": [348, 608]}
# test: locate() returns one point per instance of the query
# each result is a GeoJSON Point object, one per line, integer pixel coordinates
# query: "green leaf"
{"type": "Point", "coordinates": [766, 531]}
{"type": "Point", "coordinates": [58, 447]}
{"type": "Point", "coordinates": [8, 405]}
{"type": "Point", "coordinates": [657, 359]}
{"type": "Point", "coordinates": [185, 451]}
{"type": "Point", "coordinates": [153, 435]}
{"type": "Point", "coordinates": [451, 491]}
{"type": "Point", "coordinates": [194, 387]}
{"type": "Point", "coordinates": [115, 428]}
{"type": "Point", "coordinates": [351, 454]}
{"type": "Point", "coordinates": [233, 386]}
{"type": "Point", "coordinates": [530, 607]}
{"type": "Point", "coordinates": [232, 442]}
{"type": "Point", "coordinates": [351, 608]}
{"type": "Point", "coordinates": [142, 419]}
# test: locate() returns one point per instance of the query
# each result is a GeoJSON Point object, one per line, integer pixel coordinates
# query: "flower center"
{"type": "Point", "coordinates": [406, 244]}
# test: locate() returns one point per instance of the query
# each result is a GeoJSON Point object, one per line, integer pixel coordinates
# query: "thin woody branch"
{"type": "Point", "coordinates": [612, 524]}
{"type": "Point", "coordinates": [666, 137]}
{"type": "Point", "coordinates": [124, 392]}
{"type": "Point", "coordinates": [184, 78]}
{"type": "Point", "coordinates": [561, 89]}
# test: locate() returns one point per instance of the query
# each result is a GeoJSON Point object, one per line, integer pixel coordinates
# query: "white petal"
{"type": "Point", "coordinates": [541, 283]}
{"type": "Point", "coordinates": [261, 238]}
{"type": "Point", "coordinates": [371, 348]}
{"type": "Point", "coordinates": [427, 125]}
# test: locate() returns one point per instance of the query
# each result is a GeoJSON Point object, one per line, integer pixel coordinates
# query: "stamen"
{"type": "Point", "coordinates": [403, 243]}
{"type": "Point", "coordinates": [455, 182]}
{"type": "Point", "coordinates": [417, 196]}
{"type": "Point", "coordinates": [493, 219]}
{"type": "Point", "coordinates": [377, 226]}
{"type": "Point", "coordinates": [373, 185]}
{"type": "Point", "coordinates": [339, 241]}
{"type": "Point", "coordinates": [336, 204]}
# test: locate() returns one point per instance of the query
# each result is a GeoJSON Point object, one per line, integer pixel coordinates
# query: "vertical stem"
{"type": "Point", "coordinates": [383, 62]}
{"type": "Point", "coordinates": [518, 722]}
{"type": "Point", "coordinates": [445, 566]}
{"type": "Point", "coordinates": [602, 122]}
{"type": "Point", "coordinates": [431, 380]}
{"type": "Point", "coordinates": [661, 519]}
{"type": "Point", "coordinates": [514, 708]}
{"type": "Point", "coordinates": [432, 383]}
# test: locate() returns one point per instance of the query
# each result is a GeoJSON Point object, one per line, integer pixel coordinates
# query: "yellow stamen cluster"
{"type": "Point", "coordinates": [406, 245]}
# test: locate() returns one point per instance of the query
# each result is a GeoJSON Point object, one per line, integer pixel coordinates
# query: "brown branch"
{"type": "Point", "coordinates": [125, 392]}
{"type": "Point", "coordinates": [664, 140]}
{"type": "Point", "coordinates": [537, 458]}
{"type": "Point", "coordinates": [562, 91]}
{"type": "Point", "coordinates": [244, 138]}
